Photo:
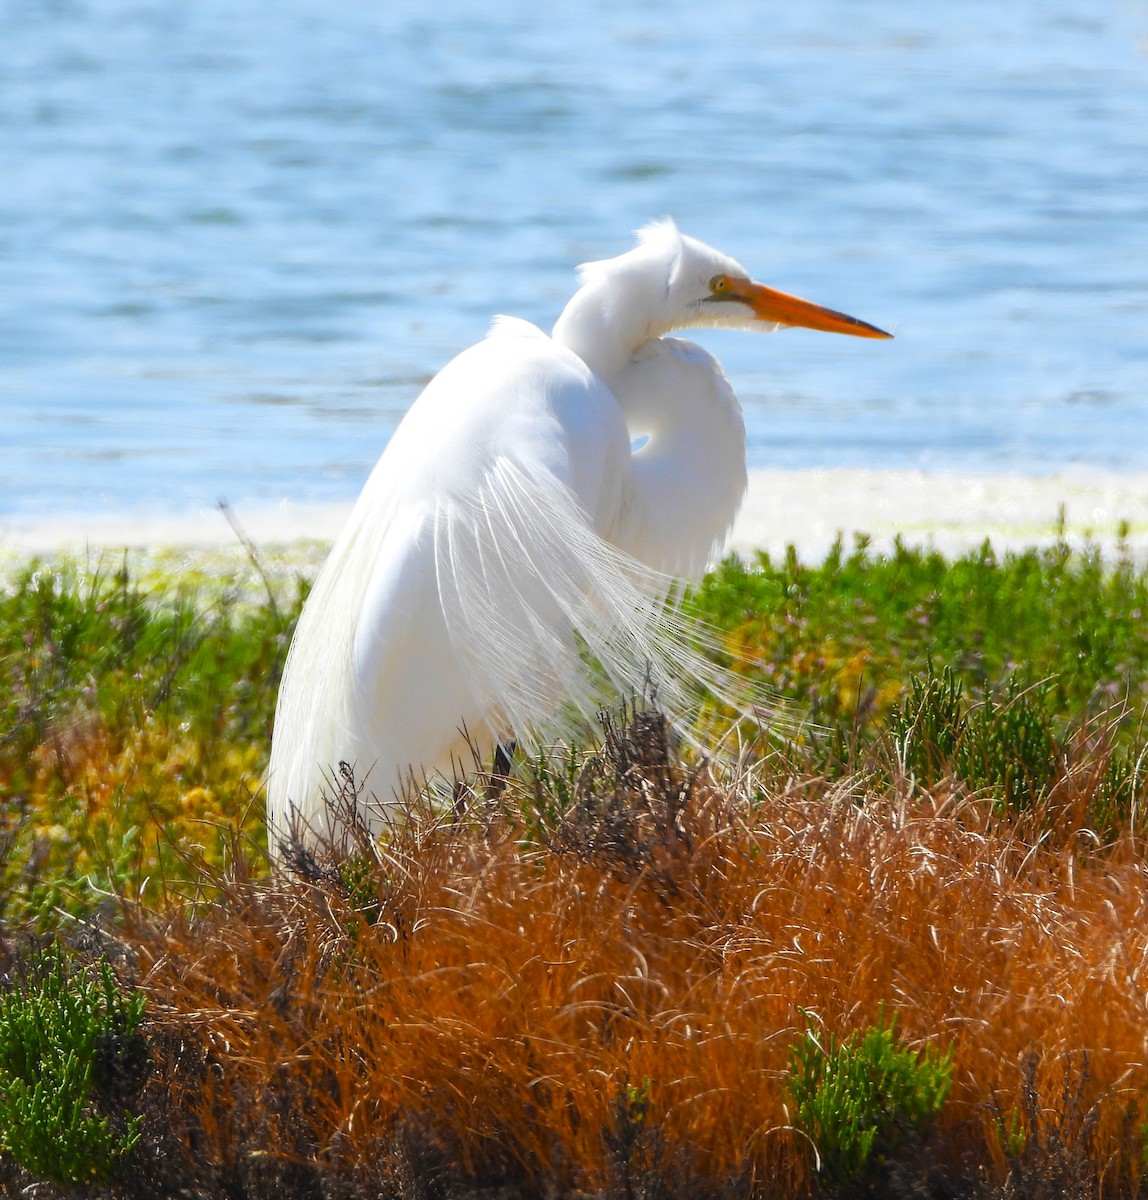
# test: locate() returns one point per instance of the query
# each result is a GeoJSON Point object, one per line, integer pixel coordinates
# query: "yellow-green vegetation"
{"type": "Point", "coordinates": [133, 733]}
{"type": "Point", "coordinates": [900, 953]}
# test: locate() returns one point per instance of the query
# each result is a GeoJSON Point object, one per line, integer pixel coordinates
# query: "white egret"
{"type": "Point", "coordinates": [529, 515]}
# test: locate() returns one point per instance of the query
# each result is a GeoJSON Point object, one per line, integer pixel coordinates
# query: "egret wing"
{"type": "Point", "coordinates": [552, 621]}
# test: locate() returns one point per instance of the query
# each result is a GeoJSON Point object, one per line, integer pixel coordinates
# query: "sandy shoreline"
{"type": "Point", "coordinates": [951, 512]}
{"type": "Point", "coordinates": [807, 508]}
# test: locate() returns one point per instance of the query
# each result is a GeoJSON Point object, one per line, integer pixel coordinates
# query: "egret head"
{"type": "Point", "coordinates": [700, 286]}
{"type": "Point", "coordinates": [669, 281]}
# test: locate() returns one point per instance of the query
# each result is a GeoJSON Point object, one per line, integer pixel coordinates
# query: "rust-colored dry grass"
{"type": "Point", "coordinates": [609, 1007]}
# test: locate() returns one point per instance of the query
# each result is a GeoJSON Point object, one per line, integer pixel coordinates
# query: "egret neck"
{"type": "Point", "coordinates": [604, 334]}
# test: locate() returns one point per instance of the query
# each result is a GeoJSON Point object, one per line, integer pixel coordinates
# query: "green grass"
{"type": "Point", "coordinates": [844, 639]}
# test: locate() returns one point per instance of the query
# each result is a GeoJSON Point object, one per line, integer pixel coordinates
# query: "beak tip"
{"type": "Point", "coordinates": [864, 329]}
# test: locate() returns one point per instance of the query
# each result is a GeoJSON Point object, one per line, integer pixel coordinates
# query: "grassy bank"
{"type": "Point", "coordinates": [614, 977]}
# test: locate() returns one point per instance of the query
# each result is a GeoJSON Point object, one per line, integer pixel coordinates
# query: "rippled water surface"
{"type": "Point", "coordinates": [236, 237]}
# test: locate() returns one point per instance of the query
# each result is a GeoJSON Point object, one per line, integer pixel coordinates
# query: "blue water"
{"type": "Point", "coordinates": [237, 236]}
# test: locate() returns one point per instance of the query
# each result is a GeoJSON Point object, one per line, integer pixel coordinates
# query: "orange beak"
{"type": "Point", "coordinates": [778, 308]}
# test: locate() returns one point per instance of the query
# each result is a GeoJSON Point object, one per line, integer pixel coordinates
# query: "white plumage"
{"type": "Point", "coordinates": [509, 530]}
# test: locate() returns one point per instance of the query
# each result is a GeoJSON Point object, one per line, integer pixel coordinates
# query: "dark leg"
{"type": "Point", "coordinates": [504, 758]}
{"type": "Point", "coordinates": [500, 769]}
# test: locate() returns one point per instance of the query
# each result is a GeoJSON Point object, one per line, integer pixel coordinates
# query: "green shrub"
{"type": "Point", "coordinates": [855, 1099]}
{"type": "Point", "coordinates": [1004, 745]}
{"type": "Point", "coordinates": [61, 1034]}
{"type": "Point", "coordinates": [929, 726]}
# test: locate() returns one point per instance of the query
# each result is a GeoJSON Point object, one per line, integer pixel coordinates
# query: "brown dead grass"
{"type": "Point", "coordinates": [609, 1008]}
